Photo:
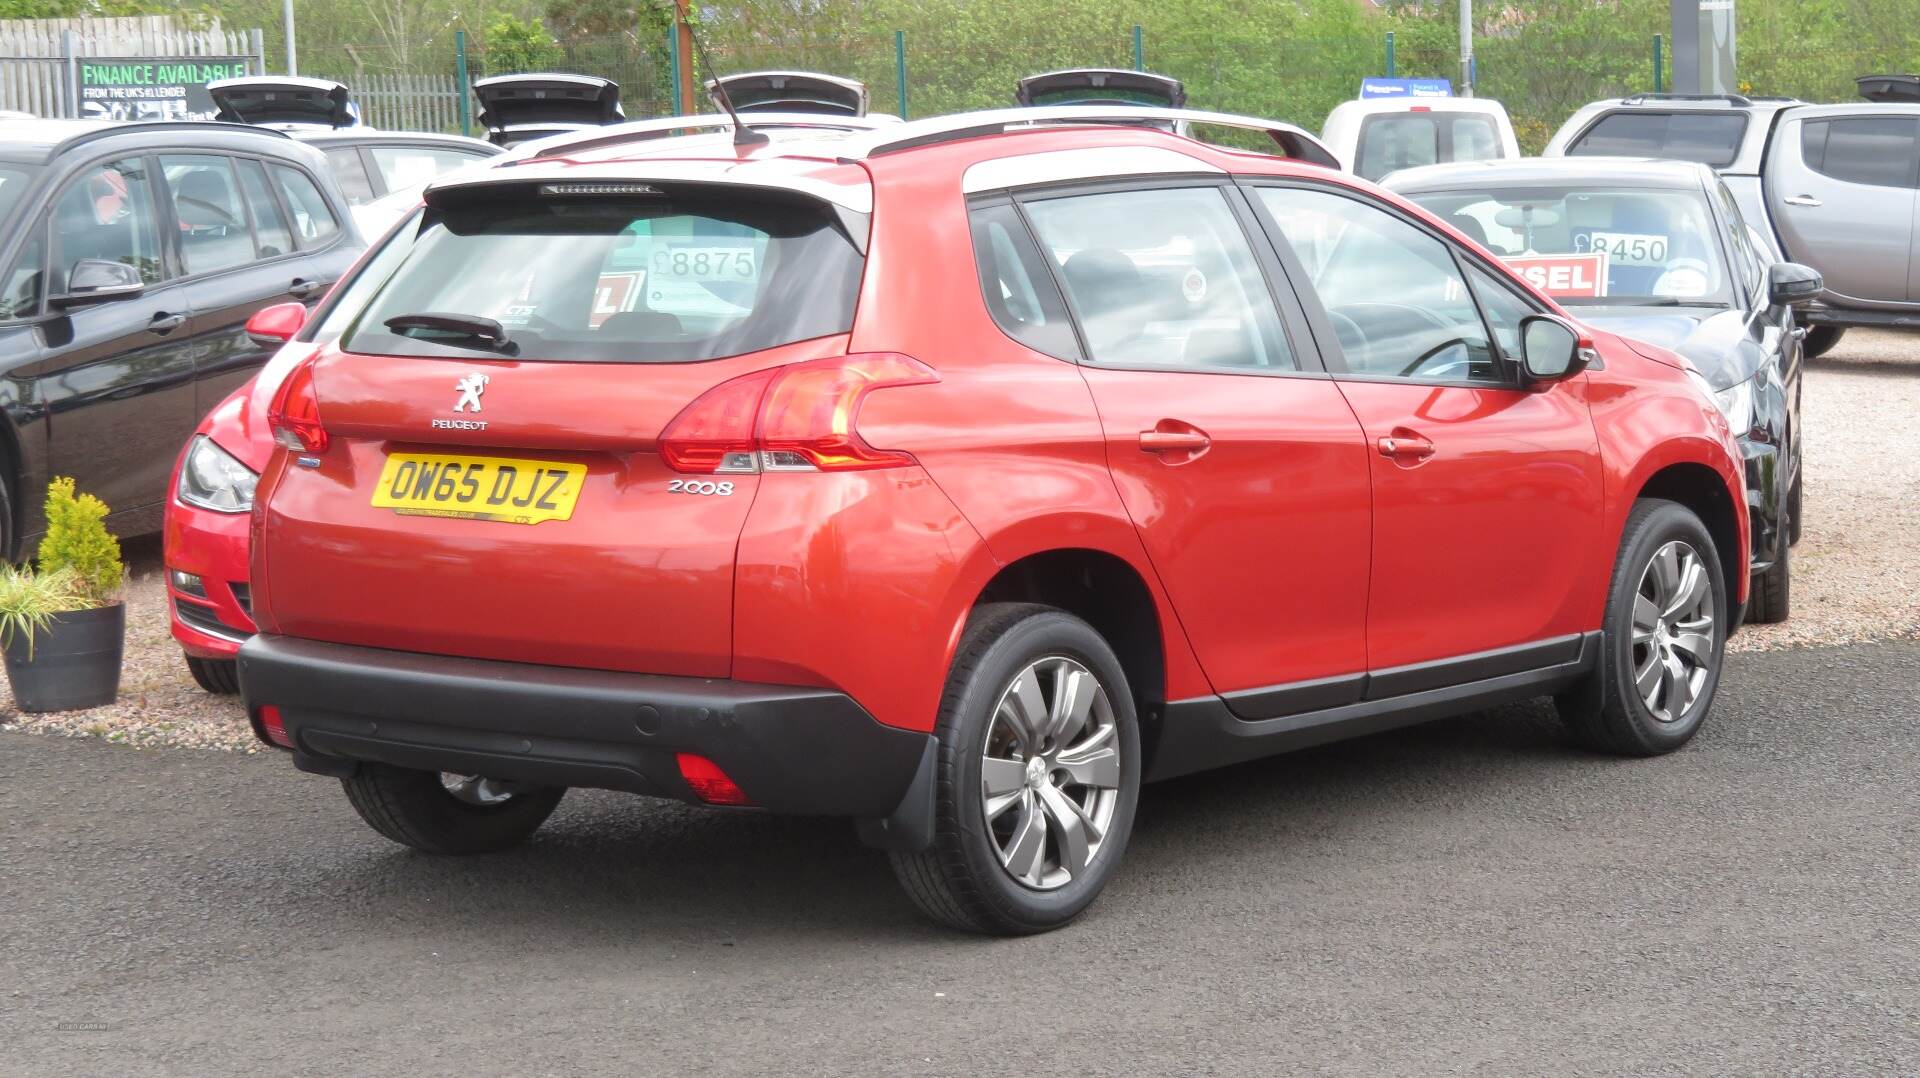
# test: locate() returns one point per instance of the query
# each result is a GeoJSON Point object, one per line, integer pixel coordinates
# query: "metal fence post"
{"type": "Point", "coordinates": [1659, 65]}
{"type": "Point", "coordinates": [673, 67]}
{"type": "Point", "coordinates": [1139, 48]}
{"type": "Point", "coordinates": [900, 67]}
{"type": "Point", "coordinates": [1390, 67]}
{"type": "Point", "coordinates": [259, 50]}
{"type": "Point", "coordinates": [460, 81]}
{"type": "Point", "coordinates": [69, 45]}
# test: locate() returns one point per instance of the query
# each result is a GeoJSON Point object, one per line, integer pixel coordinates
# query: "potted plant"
{"type": "Point", "coordinates": [63, 625]}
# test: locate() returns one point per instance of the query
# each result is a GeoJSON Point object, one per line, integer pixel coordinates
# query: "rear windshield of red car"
{"type": "Point", "coordinates": [618, 280]}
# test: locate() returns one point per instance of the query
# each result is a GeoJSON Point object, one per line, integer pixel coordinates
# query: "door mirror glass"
{"type": "Point", "coordinates": [1550, 348]}
{"type": "Point", "coordinates": [97, 280]}
{"type": "Point", "coordinates": [271, 327]}
{"type": "Point", "coordinates": [1790, 284]}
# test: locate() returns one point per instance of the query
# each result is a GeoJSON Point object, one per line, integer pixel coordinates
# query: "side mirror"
{"type": "Point", "coordinates": [99, 280]}
{"type": "Point", "coordinates": [1790, 284]}
{"type": "Point", "coordinates": [271, 327]}
{"type": "Point", "coordinates": [1550, 349]}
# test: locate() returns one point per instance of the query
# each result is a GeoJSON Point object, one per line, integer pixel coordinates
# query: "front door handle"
{"type": "Point", "coordinates": [301, 289]}
{"type": "Point", "coordinates": [1173, 441]}
{"type": "Point", "coordinates": [1405, 446]}
{"type": "Point", "coordinates": [164, 323]}
{"type": "Point", "coordinates": [1801, 200]}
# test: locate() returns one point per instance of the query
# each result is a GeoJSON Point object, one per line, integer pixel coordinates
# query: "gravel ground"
{"type": "Point", "coordinates": [1854, 578]}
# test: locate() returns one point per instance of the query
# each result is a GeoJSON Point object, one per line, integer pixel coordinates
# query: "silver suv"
{"type": "Point", "coordinates": [1836, 187]}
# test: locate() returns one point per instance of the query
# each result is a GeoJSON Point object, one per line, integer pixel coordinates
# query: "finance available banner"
{"type": "Point", "coordinates": [170, 88]}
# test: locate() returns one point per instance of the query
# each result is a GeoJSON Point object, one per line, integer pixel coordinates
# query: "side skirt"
{"type": "Point", "coordinates": [1203, 732]}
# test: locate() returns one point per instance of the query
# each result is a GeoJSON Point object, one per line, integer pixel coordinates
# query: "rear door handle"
{"type": "Point", "coordinates": [1801, 200]}
{"type": "Point", "coordinates": [300, 289]}
{"type": "Point", "coordinates": [164, 323]}
{"type": "Point", "coordinates": [1404, 444]}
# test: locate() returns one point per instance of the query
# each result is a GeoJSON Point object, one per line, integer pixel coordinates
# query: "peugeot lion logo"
{"type": "Point", "coordinates": [469, 389]}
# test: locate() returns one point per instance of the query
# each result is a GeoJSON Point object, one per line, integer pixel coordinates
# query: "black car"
{"type": "Point", "coordinates": [133, 255]}
{"type": "Point", "coordinates": [369, 164]}
{"type": "Point", "coordinates": [1657, 251]}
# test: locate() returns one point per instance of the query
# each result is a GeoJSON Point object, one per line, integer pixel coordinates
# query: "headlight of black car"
{"type": "Point", "coordinates": [213, 479]}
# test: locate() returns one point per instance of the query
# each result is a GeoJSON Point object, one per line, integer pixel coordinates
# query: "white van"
{"type": "Point", "coordinates": [1373, 136]}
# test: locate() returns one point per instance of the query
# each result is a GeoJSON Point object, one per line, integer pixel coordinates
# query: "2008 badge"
{"type": "Point", "coordinates": [698, 486]}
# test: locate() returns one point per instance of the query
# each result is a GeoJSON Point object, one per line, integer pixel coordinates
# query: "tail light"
{"type": "Point", "coordinates": [795, 418]}
{"type": "Point", "coordinates": [294, 415]}
{"type": "Point", "coordinates": [708, 782]}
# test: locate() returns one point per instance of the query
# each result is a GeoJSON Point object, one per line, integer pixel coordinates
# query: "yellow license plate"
{"type": "Point", "coordinates": [507, 489]}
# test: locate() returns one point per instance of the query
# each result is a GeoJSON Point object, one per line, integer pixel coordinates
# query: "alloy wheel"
{"type": "Point", "coordinates": [1050, 772]}
{"type": "Point", "coordinates": [1673, 637]}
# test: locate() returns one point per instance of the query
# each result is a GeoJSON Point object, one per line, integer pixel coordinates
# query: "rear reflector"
{"type": "Point", "coordinates": [270, 725]}
{"type": "Point", "coordinates": [708, 782]}
{"type": "Point", "coordinates": [294, 414]}
{"type": "Point", "coordinates": [795, 418]}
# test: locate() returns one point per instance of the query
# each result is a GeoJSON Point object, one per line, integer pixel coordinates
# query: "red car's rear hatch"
{"type": "Point", "coordinates": [478, 468]}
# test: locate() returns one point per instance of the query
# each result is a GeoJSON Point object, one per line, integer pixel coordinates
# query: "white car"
{"type": "Point", "coordinates": [1373, 136]}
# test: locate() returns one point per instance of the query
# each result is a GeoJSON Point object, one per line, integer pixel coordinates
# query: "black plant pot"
{"type": "Point", "coordinates": [75, 663]}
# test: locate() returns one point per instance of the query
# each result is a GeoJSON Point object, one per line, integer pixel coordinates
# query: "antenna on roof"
{"type": "Point", "coordinates": [742, 134]}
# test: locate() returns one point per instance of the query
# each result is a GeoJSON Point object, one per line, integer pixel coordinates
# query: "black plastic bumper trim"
{"type": "Point", "coordinates": [790, 749]}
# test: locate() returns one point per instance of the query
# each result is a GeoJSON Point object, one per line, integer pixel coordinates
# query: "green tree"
{"type": "Point", "coordinates": [519, 45]}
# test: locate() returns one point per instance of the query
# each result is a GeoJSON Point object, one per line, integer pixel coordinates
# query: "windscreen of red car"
{"type": "Point", "coordinates": [649, 279]}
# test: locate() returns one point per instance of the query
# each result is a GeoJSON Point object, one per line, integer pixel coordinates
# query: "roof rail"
{"type": "Point", "coordinates": [1731, 99]}
{"type": "Point", "coordinates": [1293, 141]}
{"type": "Point", "coordinates": [108, 130]}
{"type": "Point", "coordinates": [669, 126]}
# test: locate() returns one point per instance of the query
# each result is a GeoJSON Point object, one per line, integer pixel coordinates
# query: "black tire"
{"type": "Point", "coordinates": [960, 880]}
{"type": "Point", "coordinates": [1605, 711]}
{"type": "Point", "coordinates": [415, 809]}
{"type": "Point", "coordinates": [7, 553]}
{"type": "Point", "coordinates": [218, 676]}
{"type": "Point", "coordinates": [1770, 595]}
{"type": "Point", "coordinates": [1820, 340]}
{"type": "Point", "coordinates": [1795, 498]}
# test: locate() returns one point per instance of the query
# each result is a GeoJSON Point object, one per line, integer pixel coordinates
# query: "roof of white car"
{"type": "Point", "coordinates": [1367, 106]}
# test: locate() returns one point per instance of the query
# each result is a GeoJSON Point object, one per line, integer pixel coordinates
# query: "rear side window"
{"type": "Point", "coordinates": [652, 280]}
{"type": "Point", "coordinates": [1711, 138]}
{"type": "Point", "coordinates": [1874, 150]}
{"type": "Point", "coordinates": [1018, 287]}
{"type": "Point", "coordinates": [351, 174]}
{"type": "Point", "coordinates": [270, 231]}
{"type": "Point", "coordinates": [1163, 279]}
{"type": "Point", "coordinates": [206, 204]}
{"type": "Point", "coordinates": [312, 217]}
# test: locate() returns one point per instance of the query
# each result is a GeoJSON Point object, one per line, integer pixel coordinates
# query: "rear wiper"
{"type": "Point", "coordinates": [489, 334]}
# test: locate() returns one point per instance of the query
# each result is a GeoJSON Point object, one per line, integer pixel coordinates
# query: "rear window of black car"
{"type": "Point", "coordinates": [1711, 138]}
{"type": "Point", "coordinates": [648, 279]}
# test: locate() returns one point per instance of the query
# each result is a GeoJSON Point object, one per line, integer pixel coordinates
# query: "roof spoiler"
{"type": "Point", "coordinates": [663, 127]}
{"type": "Point", "coordinates": [792, 92]}
{"type": "Point", "coordinates": [1293, 141]}
{"type": "Point", "coordinates": [1890, 89]}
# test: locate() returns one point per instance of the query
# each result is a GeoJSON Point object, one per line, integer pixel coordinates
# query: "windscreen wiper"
{"type": "Point", "coordinates": [488, 333]}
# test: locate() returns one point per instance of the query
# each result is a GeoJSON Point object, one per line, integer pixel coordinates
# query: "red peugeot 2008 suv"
{"type": "Point", "coordinates": [957, 478]}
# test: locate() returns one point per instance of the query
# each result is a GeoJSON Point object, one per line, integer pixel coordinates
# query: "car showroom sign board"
{"type": "Point", "coordinates": [1582, 276]}
{"type": "Point", "coordinates": [1381, 87]}
{"type": "Point", "coordinates": [145, 88]}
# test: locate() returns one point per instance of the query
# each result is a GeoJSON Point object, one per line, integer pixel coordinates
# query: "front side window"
{"type": "Point", "coordinates": [312, 217]}
{"type": "Point", "coordinates": [1873, 150]}
{"type": "Point", "coordinates": [1709, 137]}
{"type": "Point", "coordinates": [107, 213]}
{"type": "Point", "coordinates": [1163, 279]}
{"type": "Point", "coordinates": [403, 167]}
{"type": "Point", "coordinates": [643, 280]}
{"type": "Point", "coordinates": [206, 204]}
{"type": "Point", "coordinates": [20, 298]}
{"type": "Point", "coordinates": [1018, 287]}
{"type": "Point", "coordinates": [1585, 245]}
{"type": "Point", "coordinates": [1394, 293]}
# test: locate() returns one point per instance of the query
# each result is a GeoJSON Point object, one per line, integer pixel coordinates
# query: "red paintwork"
{"type": "Point", "coordinates": [278, 322]}
{"type": "Point", "coordinates": [1276, 542]}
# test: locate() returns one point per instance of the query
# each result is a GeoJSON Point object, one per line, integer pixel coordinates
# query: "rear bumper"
{"type": "Point", "coordinates": [790, 749]}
